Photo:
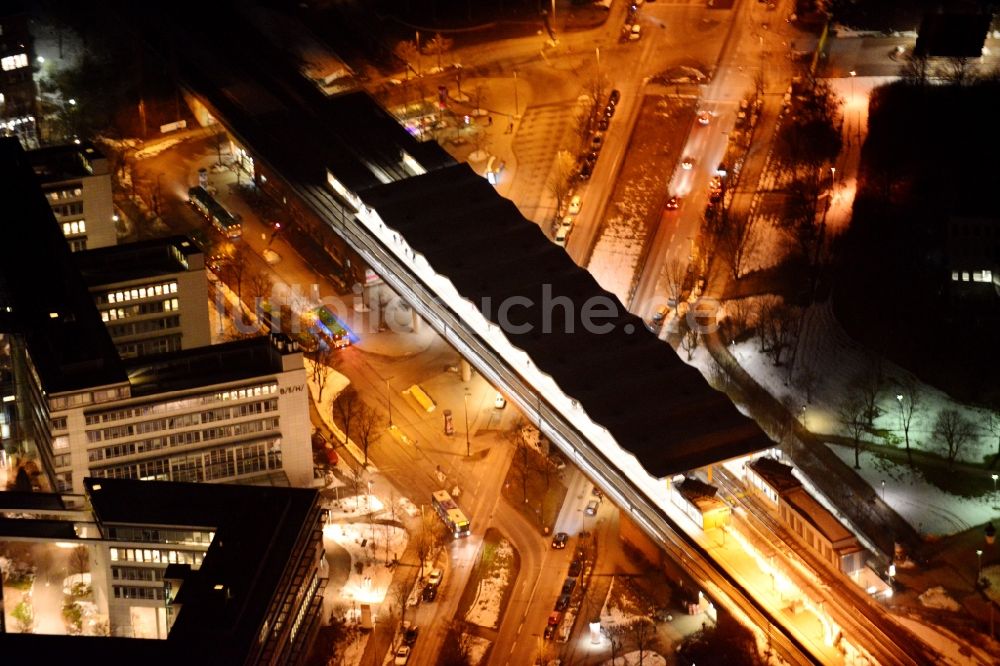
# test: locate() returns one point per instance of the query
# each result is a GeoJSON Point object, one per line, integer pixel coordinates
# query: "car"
{"type": "Point", "coordinates": [596, 492]}
{"type": "Point", "coordinates": [575, 567]}
{"type": "Point", "coordinates": [591, 509]}
{"type": "Point", "coordinates": [597, 141]}
{"type": "Point", "coordinates": [658, 317]}
{"type": "Point", "coordinates": [688, 163]}
{"type": "Point", "coordinates": [609, 111]}
{"type": "Point", "coordinates": [568, 585]}
{"type": "Point", "coordinates": [704, 118]}
{"type": "Point", "coordinates": [559, 540]}
{"type": "Point", "coordinates": [434, 578]}
{"type": "Point", "coordinates": [715, 195]}
{"type": "Point", "coordinates": [574, 205]}
{"type": "Point", "coordinates": [614, 97]}
{"type": "Point", "coordinates": [554, 618]}
{"type": "Point", "coordinates": [557, 460]}
{"type": "Point", "coordinates": [562, 603]}
{"type": "Point", "coordinates": [586, 170]}
{"type": "Point", "coordinates": [402, 655]}
{"type": "Point", "coordinates": [603, 123]}
{"type": "Point", "coordinates": [562, 235]}
{"type": "Point", "coordinates": [550, 631]}
{"type": "Point", "coordinates": [499, 402]}
{"type": "Point", "coordinates": [673, 203]}
{"type": "Point", "coordinates": [430, 593]}
{"type": "Point", "coordinates": [635, 33]}
{"type": "Point", "coordinates": [409, 633]}
{"type": "Point", "coordinates": [592, 156]}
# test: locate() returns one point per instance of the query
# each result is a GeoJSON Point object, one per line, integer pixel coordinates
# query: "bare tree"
{"type": "Point", "coordinates": [479, 92]}
{"type": "Point", "coordinates": [79, 560]}
{"type": "Point", "coordinates": [438, 46]}
{"type": "Point", "coordinates": [908, 397]}
{"type": "Point", "coordinates": [958, 71]}
{"type": "Point", "coordinates": [674, 273]}
{"type": "Point", "coordinates": [235, 268]}
{"type": "Point", "coordinates": [740, 314]}
{"type": "Point", "coordinates": [454, 650]}
{"type": "Point", "coordinates": [368, 427]}
{"type": "Point", "coordinates": [689, 342]}
{"type": "Point", "coordinates": [869, 386]}
{"type": "Point", "coordinates": [408, 52]}
{"type": "Point", "coordinates": [322, 360]}
{"type": "Point", "coordinates": [916, 69]}
{"type": "Point", "coordinates": [808, 381]}
{"type": "Point", "coordinates": [779, 326]}
{"type": "Point", "coordinates": [736, 239]}
{"type": "Point", "coordinates": [643, 634]}
{"type": "Point", "coordinates": [259, 287]}
{"type": "Point", "coordinates": [955, 430]}
{"type": "Point", "coordinates": [562, 176]}
{"type": "Point", "coordinates": [347, 407]}
{"type": "Point", "coordinates": [852, 416]}
{"type": "Point", "coordinates": [993, 425]}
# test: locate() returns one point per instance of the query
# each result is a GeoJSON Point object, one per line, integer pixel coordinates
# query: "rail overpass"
{"type": "Point", "coordinates": [619, 402]}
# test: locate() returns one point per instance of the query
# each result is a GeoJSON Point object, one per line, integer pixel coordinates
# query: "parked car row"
{"type": "Point", "coordinates": [631, 31]}
{"type": "Point", "coordinates": [565, 596]}
{"type": "Point", "coordinates": [589, 160]}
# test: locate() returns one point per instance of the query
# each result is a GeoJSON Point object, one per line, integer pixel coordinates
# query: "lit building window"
{"type": "Point", "coordinates": [965, 276]}
{"type": "Point", "coordinates": [14, 62]}
{"type": "Point", "coordinates": [954, 276]}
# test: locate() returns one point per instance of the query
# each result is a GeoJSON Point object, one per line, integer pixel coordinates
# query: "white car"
{"type": "Point", "coordinates": [704, 118]}
{"type": "Point", "coordinates": [636, 33]}
{"type": "Point", "coordinates": [562, 233]}
{"type": "Point", "coordinates": [688, 163]}
{"type": "Point", "coordinates": [402, 655]}
{"type": "Point", "coordinates": [500, 402]}
{"type": "Point", "coordinates": [434, 577]}
{"type": "Point", "coordinates": [574, 205]}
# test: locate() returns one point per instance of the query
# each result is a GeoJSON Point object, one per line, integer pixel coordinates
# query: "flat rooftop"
{"type": "Point", "coordinates": [655, 406]}
{"type": "Point", "coordinates": [825, 523]}
{"type": "Point", "coordinates": [66, 162]}
{"type": "Point", "coordinates": [48, 302]}
{"type": "Point", "coordinates": [256, 531]}
{"type": "Point", "coordinates": [135, 261]}
{"type": "Point", "coordinates": [203, 366]}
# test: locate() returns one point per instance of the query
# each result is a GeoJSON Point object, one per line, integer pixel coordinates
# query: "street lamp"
{"type": "Point", "coordinates": [995, 477]}
{"type": "Point", "coordinates": [853, 74]}
{"type": "Point", "coordinates": [388, 399]}
{"type": "Point", "coordinates": [468, 450]}
{"type": "Point", "coordinates": [979, 572]}
{"type": "Point", "coordinates": [883, 490]}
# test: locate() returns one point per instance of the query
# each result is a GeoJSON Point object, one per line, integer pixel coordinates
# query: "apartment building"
{"type": "Point", "coordinates": [18, 91]}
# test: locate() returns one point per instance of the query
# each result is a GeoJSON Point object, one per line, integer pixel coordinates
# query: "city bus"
{"type": "Point", "coordinates": [449, 512]}
{"type": "Point", "coordinates": [221, 219]}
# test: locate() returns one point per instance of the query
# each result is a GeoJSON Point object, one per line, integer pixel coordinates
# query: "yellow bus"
{"type": "Point", "coordinates": [424, 400]}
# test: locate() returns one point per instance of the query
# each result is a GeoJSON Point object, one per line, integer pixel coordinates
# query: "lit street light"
{"type": "Point", "coordinates": [979, 572]}
{"type": "Point", "coordinates": [883, 490]}
{"type": "Point", "coordinates": [995, 477]}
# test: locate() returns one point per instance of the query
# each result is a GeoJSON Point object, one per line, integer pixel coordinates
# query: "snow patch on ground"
{"type": "Point", "coordinates": [485, 609]}
{"type": "Point", "coordinates": [335, 383]}
{"type": "Point", "coordinates": [926, 507]}
{"type": "Point", "coordinates": [632, 659]}
{"type": "Point", "coordinates": [476, 647]}
{"type": "Point", "coordinates": [366, 544]}
{"type": "Point", "coordinates": [936, 597]}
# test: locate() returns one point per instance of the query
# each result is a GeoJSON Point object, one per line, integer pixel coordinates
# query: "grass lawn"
{"type": "Point", "coordinates": [532, 477]}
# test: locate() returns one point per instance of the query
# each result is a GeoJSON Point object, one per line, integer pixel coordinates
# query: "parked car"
{"type": "Point", "coordinates": [575, 567]}
{"type": "Point", "coordinates": [568, 585]}
{"type": "Point", "coordinates": [614, 97]}
{"type": "Point", "coordinates": [402, 656]}
{"type": "Point", "coordinates": [554, 618]}
{"type": "Point", "coordinates": [562, 603]}
{"type": "Point", "coordinates": [559, 540]}
{"type": "Point", "coordinates": [574, 205]}
{"type": "Point", "coordinates": [596, 492]}
{"type": "Point", "coordinates": [591, 509]}
{"type": "Point", "coordinates": [592, 156]}
{"type": "Point", "coordinates": [609, 111]}
{"type": "Point", "coordinates": [586, 170]}
{"type": "Point", "coordinates": [434, 577]}
{"type": "Point", "coordinates": [602, 124]}
{"type": "Point", "coordinates": [635, 33]}
{"type": "Point", "coordinates": [499, 402]}
{"type": "Point", "coordinates": [673, 203]}
{"type": "Point", "coordinates": [597, 141]}
{"type": "Point", "coordinates": [550, 631]}
{"type": "Point", "coordinates": [430, 593]}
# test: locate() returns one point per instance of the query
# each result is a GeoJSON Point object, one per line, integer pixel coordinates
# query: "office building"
{"type": "Point", "coordinates": [236, 412]}
{"type": "Point", "coordinates": [152, 295]}
{"type": "Point", "coordinates": [76, 181]}
{"type": "Point", "coordinates": [229, 575]}
{"type": "Point", "coordinates": [18, 92]}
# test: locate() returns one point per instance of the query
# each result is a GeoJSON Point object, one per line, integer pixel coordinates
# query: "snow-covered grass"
{"type": "Point", "coordinates": [371, 584]}
{"type": "Point", "coordinates": [485, 609]}
{"type": "Point", "coordinates": [354, 505]}
{"type": "Point", "coordinates": [832, 362]}
{"type": "Point", "coordinates": [335, 383]}
{"type": "Point", "coordinates": [475, 648]}
{"type": "Point", "coordinates": [632, 659]}
{"type": "Point", "coordinates": [926, 507]}
{"type": "Point", "coordinates": [621, 606]}
{"type": "Point", "coordinates": [936, 597]}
